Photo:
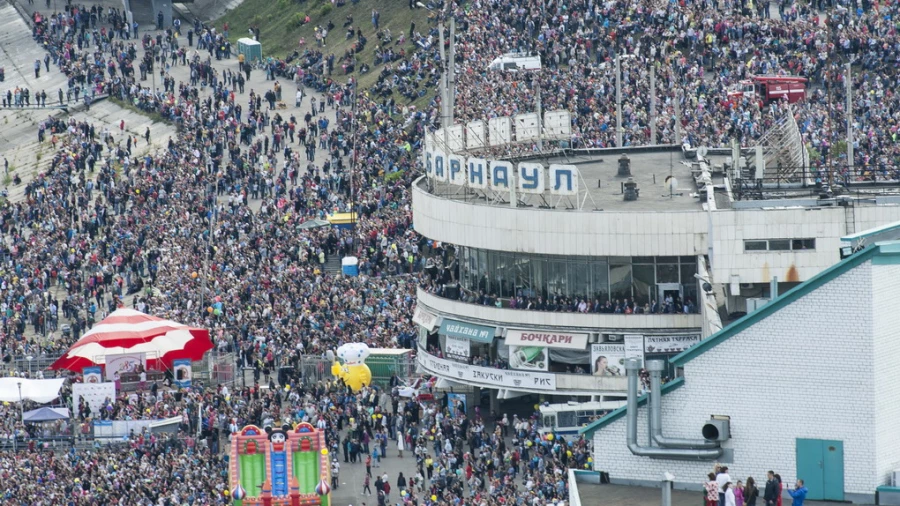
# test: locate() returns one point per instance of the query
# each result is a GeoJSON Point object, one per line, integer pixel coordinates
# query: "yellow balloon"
{"type": "Point", "coordinates": [324, 451]}
{"type": "Point", "coordinates": [434, 498]}
{"type": "Point", "coordinates": [549, 437]}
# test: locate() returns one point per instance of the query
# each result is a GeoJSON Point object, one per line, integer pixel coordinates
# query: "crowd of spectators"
{"type": "Point", "coordinates": [215, 215]}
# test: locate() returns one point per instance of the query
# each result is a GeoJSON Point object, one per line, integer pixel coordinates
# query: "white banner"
{"type": "Point", "coordinates": [608, 359]}
{"type": "Point", "coordinates": [529, 358]}
{"type": "Point", "coordinates": [670, 344]}
{"type": "Point", "coordinates": [124, 363]}
{"type": "Point", "coordinates": [94, 394]}
{"type": "Point", "coordinates": [457, 347]}
{"type": "Point", "coordinates": [425, 318]}
{"type": "Point", "coordinates": [546, 338]}
{"type": "Point", "coordinates": [488, 376]}
{"type": "Point", "coordinates": [634, 346]}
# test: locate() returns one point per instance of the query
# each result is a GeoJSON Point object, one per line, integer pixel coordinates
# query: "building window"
{"type": "Point", "coordinates": [801, 244]}
{"type": "Point", "coordinates": [780, 245]}
{"type": "Point", "coordinates": [755, 246]}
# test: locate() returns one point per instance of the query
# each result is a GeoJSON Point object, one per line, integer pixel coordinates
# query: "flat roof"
{"type": "Point", "coordinates": [599, 172]}
{"type": "Point", "coordinates": [622, 495]}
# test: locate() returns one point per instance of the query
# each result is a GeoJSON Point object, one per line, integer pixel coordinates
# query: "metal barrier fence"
{"type": "Point", "coordinates": [315, 368]}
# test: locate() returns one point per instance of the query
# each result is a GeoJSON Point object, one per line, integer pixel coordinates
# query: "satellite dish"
{"type": "Point", "coordinates": [672, 183]}
{"type": "Point", "coordinates": [702, 150]}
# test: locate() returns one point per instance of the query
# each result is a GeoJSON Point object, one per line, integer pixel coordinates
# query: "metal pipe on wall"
{"type": "Point", "coordinates": [655, 368]}
{"type": "Point", "coordinates": [632, 369]}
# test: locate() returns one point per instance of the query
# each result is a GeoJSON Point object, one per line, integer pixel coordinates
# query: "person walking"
{"type": "Point", "coordinates": [37, 69]}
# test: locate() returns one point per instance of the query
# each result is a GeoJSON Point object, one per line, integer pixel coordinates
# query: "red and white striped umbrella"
{"type": "Point", "coordinates": [130, 331]}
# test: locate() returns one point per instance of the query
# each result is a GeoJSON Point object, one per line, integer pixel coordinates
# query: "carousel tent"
{"type": "Point", "coordinates": [130, 331]}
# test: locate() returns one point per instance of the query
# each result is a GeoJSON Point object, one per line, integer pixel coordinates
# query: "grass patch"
{"type": "Point", "coordinates": [154, 116]}
{"type": "Point", "coordinates": [281, 27]}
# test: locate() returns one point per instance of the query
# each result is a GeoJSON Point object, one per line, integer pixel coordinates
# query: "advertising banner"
{"type": "Point", "coordinates": [92, 374]}
{"type": "Point", "coordinates": [547, 339]}
{"type": "Point", "coordinates": [634, 346]}
{"type": "Point", "coordinates": [472, 331]}
{"type": "Point", "coordinates": [608, 359]}
{"type": "Point", "coordinates": [670, 344]}
{"type": "Point", "coordinates": [94, 394]}
{"type": "Point", "coordinates": [425, 318]}
{"type": "Point", "coordinates": [123, 364]}
{"type": "Point", "coordinates": [488, 376]}
{"type": "Point", "coordinates": [183, 372]}
{"type": "Point", "coordinates": [457, 347]}
{"type": "Point", "coordinates": [457, 405]}
{"type": "Point", "coordinates": [529, 358]}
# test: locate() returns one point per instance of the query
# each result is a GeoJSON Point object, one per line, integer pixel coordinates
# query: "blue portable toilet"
{"type": "Point", "coordinates": [350, 266]}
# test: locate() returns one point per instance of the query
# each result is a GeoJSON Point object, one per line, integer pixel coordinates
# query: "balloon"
{"type": "Point", "coordinates": [194, 275]}
{"type": "Point", "coordinates": [209, 309]}
{"type": "Point", "coordinates": [403, 493]}
{"type": "Point", "coordinates": [434, 498]}
{"type": "Point", "coordinates": [324, 451]}
{"type": "Point", "coordinates": [549, 437]}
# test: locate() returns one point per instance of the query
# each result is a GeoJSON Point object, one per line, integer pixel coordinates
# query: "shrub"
{"type": "Point", "coordinates": [325, 9]}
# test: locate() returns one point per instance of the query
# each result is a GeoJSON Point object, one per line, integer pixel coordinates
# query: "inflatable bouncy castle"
{"type": "Point", "coordinates": [280, 467]}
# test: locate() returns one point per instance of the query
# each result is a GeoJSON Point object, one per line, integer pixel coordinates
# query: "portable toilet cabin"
{"type": "Point", "coordinates": [251, 49]}
{"type": "Point", "coordinates": [350, 266]}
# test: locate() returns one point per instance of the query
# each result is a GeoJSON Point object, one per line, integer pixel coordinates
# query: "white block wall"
{"type": "Point", "coordinates": [805, 371]}
{"type": "Point", "coordinates": [886, 372]}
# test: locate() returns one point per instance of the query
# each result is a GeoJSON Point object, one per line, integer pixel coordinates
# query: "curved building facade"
{"type": "Point", "coordinates": [537, 288]}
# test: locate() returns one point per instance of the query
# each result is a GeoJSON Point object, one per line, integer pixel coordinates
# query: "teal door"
{"type": "Point", "coordinates": [820, 464]}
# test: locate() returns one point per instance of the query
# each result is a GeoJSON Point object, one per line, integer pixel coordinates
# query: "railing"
{"type": "Point", "coordinates": [518, 318]}
{"type": "Point", "coordinates": [315, 368]}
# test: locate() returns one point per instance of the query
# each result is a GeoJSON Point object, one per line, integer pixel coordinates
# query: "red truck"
{"type": "Point", "coordinates": [767, 89]}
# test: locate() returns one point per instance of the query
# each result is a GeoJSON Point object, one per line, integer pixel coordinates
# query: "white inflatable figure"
{"type": "Point", "coordinates": [354, 371]}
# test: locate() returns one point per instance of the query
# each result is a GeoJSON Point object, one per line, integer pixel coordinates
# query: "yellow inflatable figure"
{"type": "Point", "coordinates": [354, 371]}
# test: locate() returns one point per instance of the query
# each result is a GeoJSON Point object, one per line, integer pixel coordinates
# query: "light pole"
{"type": "Point", "coordinates": [21, 416]}
{"type": "Point", "coordinates": [848, 81]}
{"type": "Point", "coordinates": [619, 129]}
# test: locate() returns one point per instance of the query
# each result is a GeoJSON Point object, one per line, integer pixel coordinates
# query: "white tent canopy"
{"type": "Point", "coordinates": [39, 391]}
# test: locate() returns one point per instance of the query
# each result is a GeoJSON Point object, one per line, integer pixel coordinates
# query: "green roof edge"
{"type": "Point", "coordinates": [783, 300]}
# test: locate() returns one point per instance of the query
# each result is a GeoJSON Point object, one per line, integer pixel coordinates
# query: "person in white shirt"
{"type": "Point", "coordinates": [721, 479]}
{"type": "Point", "coordinates": [729, 495]}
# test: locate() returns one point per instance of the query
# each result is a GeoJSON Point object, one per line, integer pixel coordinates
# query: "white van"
{"type": "Point", "coordinates": [515, 61]}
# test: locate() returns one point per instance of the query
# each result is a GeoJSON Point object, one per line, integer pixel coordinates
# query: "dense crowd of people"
{"type": "Point", "coordinates": [217, 215]}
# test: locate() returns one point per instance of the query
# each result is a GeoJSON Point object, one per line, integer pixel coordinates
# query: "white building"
{"type": "Point", "coordinates": [594, 241]}
{"type": "Point", "coordinates": [809, 382]}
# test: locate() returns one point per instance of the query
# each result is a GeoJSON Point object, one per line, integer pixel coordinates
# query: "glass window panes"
{"type": "Point", "coordinates": [643, 280]}
{"type": "Point", "coordinates": [579, 280]}
{"type": "Point", "coordinates": [803, 244]}
{"type": "Point", "coordinates": [667, 273]}
{"type": "Point", "coordinates": [600, 281]}
{"type": "Point", "coordinates": [620, 281]}
{"type": "Point", "coordinates": [779, 244]}
{"type": "Point", "coordinates": [755, 246]}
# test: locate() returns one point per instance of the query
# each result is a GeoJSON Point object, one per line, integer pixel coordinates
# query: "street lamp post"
{"type": "Point", "coordinates": [619, 128]}
{"type": "Point", "coordinates": [21, 416]}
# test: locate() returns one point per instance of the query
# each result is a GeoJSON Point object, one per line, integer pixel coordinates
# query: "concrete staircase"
{"type": "Point", "coordinates": [333, 265]}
